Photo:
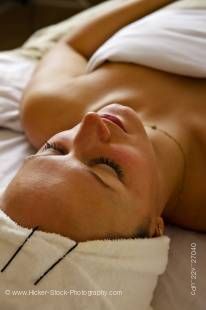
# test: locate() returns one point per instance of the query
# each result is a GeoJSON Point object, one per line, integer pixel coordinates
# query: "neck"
{"type": "Point", "coordinates": [170, 150]}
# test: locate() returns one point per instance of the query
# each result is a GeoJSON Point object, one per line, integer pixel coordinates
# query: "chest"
{"type": "Point", "coordinates": [155, 93]}
{"type": "Point", "coordinates": [190, 212]}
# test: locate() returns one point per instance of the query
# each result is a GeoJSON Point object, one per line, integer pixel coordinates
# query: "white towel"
{"type": "Point", "coordinates": [15, 72]}
{"type": "Point", "coordinates": [172, 40]}
{"type": "Point", "coordinates": [128, 268]}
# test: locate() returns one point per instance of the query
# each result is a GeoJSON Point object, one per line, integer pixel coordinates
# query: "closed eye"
{"type": "Point", "coordinates": [100, 180]}
{"type": "Point", "coordinates": [109, 162]}
{"type": "Point", "coordinates": [96, 161]}
{"type": "Point", "coordinates": [53, 146]}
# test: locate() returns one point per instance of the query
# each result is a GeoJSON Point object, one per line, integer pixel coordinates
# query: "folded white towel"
{"type": "Point", "coordinates": [128, 268]}
{"type": "Point", "coordinates": [172, 39]}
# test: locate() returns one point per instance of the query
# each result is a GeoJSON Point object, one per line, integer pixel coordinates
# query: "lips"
{"type": "Point", "coordinates": [113, 119]}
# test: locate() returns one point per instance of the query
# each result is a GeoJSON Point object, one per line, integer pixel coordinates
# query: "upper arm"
{"type": "Point", "coordinates": [61, 62]}
{"type": "Point", "coordinates": [50, 102]}
{"type": "Point", "coordinates": [48, 110]}
{"type": "Point", "coordinates": [94, 31]}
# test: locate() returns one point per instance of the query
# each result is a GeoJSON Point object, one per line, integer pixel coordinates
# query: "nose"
{"type": "Point", "coordinates": [92, 132]}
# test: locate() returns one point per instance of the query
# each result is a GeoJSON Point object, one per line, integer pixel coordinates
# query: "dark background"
{"type": "Point", "coordinates": [20, 18]}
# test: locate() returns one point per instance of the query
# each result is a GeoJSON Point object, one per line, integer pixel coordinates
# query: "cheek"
{"type": "Point", "coordinates": [140, 168]}
{"type": "Point", "coordinates": [134, 160]}
{"type": "Point", "coordinates": [37, 184]}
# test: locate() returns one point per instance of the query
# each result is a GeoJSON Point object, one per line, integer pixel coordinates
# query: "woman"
{"type": "Point", "coordinates": [122, 147]}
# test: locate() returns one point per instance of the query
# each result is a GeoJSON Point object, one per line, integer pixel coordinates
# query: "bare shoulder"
{"type": "Point", "coordinates": [191, 211]}
{"type": "Point", "coordinates": [55, 105]}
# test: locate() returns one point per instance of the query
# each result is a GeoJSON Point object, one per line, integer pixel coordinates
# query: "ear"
{"type": "Point", "coordinates": [159, 227]}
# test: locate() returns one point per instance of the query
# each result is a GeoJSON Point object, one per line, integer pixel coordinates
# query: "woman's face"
{"type": "Point", "coordinates": [92, 181]}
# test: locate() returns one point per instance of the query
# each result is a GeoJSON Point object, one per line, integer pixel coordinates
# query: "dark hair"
{"type": "Point", "coordinates": [141, 232]}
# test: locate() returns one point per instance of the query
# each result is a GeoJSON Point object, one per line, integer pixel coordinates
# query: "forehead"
{"type": "Point", "coordinates": [67, 178]}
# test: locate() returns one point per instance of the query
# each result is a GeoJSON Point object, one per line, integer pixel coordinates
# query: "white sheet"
{"type": "Point", "coordinates": [173, 291]}
{"type": "Point", "coordinates": [171, 40]}
{"type": "Point", "coordinates": [15, 73]}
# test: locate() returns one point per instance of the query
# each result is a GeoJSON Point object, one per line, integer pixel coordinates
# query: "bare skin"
{"type": "Point", "coordinates": [164, 100]}
{"type": "Point", "coordinates": [139, 96]}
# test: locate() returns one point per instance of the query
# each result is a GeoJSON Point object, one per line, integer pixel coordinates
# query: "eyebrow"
{"type": "Point", "coordinates": [100, 180]}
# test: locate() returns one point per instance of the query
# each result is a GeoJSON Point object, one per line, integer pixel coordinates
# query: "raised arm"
{"type": "Point", "coordinates": [93, 33]}
{"type": "Point", "coordinates": [50, 102]}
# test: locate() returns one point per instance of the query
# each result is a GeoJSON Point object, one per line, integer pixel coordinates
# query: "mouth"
{"type": "Point", "coordinates": [113, 119]}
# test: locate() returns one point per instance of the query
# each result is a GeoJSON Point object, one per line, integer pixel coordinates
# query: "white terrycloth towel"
{"type": "Point", "coordinates": [93, 267]}
{"type": "Point", "coordinates": [172, 40]}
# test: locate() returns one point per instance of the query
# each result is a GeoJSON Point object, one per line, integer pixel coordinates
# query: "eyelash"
{"type": "Point", "coordinates": [52, 145]}
{"type": "Point", "coordinates": [110, 163]}
{"type": "Point", "coordinates": [96, 161]}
